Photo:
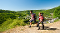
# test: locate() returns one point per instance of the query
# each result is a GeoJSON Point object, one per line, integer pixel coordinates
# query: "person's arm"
{"type": "Point", "coordinates": [40, 21]}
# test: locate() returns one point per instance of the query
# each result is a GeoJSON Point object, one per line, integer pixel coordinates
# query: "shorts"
{"type": "Point", "coordinates": [33, 20]}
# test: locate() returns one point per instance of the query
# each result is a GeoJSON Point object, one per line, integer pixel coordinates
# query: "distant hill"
{"type": "Point", "coordinates": [45, 12]}
{"type": "Point", "coordinates": [6, 11]}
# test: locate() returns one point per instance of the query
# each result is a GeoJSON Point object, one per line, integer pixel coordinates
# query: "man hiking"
{"type": "Point", "coordinates": [41, 19]}
{"type": "Point", "coordinates": [33, 18]}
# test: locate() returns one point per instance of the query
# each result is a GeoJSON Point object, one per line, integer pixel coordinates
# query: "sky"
{"type": "Point", "coordinates": [21, 5]}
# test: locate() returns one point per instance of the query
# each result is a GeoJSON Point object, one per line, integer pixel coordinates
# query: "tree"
{"type": "Point", "coordinates": [56, 12]}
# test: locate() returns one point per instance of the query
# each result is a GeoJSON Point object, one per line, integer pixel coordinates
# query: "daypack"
{"type": "Point", "coordinates": [43, 18]}
{"type": "Point", "coordinates": [34, 15]}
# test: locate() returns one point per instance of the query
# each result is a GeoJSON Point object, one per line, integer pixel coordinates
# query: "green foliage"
{"type": "Point", "coordinates": [6, 11]}
{"type": "Point", "coordinates": [47, 22]}
{"type": "Point", "coordinates": [4, 26]}
{"type": "Point", "coordinates": [17, 22]}
{"type": "Point", "coordinates": [56, 20]}
{"type": "Point", "coordinates": [45, 12]}
{"type": "Point", "coordinates": [9, 19]}
{"type": "Point", "coordinates": [11, 24]}
{"type": "Point", "coordinates": [4, 16]}
{"type": "Point", "coordinates": [56, 12]}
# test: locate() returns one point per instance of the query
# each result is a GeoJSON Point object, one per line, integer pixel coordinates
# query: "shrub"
{"type": "Point", "coordinates": [11, 24]}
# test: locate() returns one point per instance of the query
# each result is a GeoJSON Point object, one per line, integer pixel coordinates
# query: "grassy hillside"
{"type": "Point", "coordinates": [9, 19]}
{"type": "Point", "coordinates": [56, 12]}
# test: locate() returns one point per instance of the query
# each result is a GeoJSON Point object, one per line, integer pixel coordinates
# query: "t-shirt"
{"type": "Point", "coordinates": [41, 17]}
{"type": "Point", "coordinates": [32, 15]}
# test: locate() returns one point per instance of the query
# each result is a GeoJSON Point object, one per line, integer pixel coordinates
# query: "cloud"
{"type": "Point", "coordinates": [48, 7]}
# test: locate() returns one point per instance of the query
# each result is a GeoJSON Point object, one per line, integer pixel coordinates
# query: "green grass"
{"type": "Point", "coordinates": [9, 24]}
{"type": "Point", "coordinates": [56, 20]}
{"type": "Point", "coordinates": [47, 22]}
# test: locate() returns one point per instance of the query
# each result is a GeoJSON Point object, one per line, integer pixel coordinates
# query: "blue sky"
{"type": "Point", "coordinates": [19, 5]}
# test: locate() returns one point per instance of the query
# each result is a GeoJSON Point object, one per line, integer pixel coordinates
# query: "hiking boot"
{"type": "Point", "coordinates": [37, 25]}
{"type": "Point", "coordinates": [29, 26]}
{"type": "Point", "coordinates": [43, 27]}
{"type": "Point", "coordinates": [38, 28]}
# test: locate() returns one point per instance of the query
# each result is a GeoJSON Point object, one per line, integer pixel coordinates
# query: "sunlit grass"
{"type": "Point", "coordinates": [56, 20]}
{"type": "Point", "coordinates": [11, 24]}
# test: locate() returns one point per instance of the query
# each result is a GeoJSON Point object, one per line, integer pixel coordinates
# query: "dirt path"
{"type": "Point", "coordinates": [49, 28]}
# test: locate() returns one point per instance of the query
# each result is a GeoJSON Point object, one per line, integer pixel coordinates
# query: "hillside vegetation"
{"type": "Point", "coordinates": [9, 19]}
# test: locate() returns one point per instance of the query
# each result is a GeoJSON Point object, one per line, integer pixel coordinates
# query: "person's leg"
{"type": "Point", "coordinates": [30, 23]}
{"type": "Point", "coordinates": [42, 25]}
{"type": "Point", "coordinates": [38, 25]}
{"type": "Point", "coordinates": [35, 22]}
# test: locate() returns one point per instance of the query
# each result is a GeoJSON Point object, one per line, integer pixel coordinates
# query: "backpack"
{"type": "Point", "coordinates": [43, 18]}
{"type": "Point", "coordinates": [35, 16]}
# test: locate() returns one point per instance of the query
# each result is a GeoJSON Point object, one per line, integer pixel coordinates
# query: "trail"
{"type": "Point", "coordinates": [49, 28]}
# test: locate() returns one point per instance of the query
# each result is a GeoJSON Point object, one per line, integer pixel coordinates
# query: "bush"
{"type": "Point", "coordinates": [17, 22]}
{"type": "Point", "coordinates": [4, 26]}
{"type": "Point", "coordinates": [56, 12]}
{"type": "Point", "coordinates": [11, 24]}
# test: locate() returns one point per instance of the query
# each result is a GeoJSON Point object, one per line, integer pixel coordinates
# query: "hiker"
{"type": "Point", "coordinates": [41, 19]}
{"type": "Point", "coordinates": [33, 18]}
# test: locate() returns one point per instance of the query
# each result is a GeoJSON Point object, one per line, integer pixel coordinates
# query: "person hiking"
{"type": "Point", "coordinates": [41, 19]}
{"type": "Point", "coordinates": [33, 18]}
